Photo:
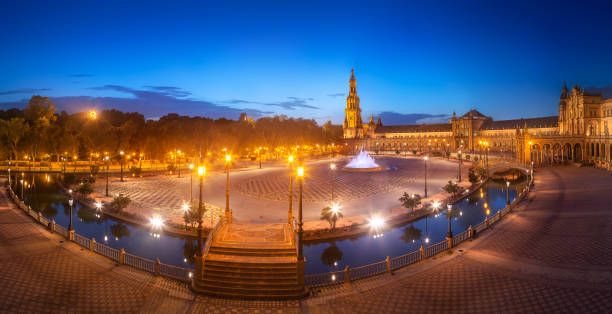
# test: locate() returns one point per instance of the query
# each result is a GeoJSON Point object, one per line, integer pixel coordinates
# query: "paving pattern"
{"type": "Point", "coordinates": [551, 255]}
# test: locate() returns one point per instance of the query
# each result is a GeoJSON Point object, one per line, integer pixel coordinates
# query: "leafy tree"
{"type": "Point", "coordinates": [451, 188]}
{"type": "Point", "coordinates": [472, 176]}
{"type": "Point", "coordinates": [410, 201]}
{"type": "Point", "coordinates": [481, 171]}
{"type": "Point", "coordinates": [13, 132]}
{"type": "Point", "coordinates": [190, 216]}
{"type": "Point", "coordinates": [119, 203]}
{"type": "Point", "coordinates": [85, 188]}
{"type": "Point", "coordinates": [40, 114]}
{"type": "Point", "coordinates": [330, 216]}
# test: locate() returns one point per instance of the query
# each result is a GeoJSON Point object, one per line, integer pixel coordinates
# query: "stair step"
{"type": "Point", "coordinates": [251, 248]}
{"type": "Point", "coordinates": [247, 273]}
{"type": "Point", "coordinates": [252, 260]}
{"type": "Point", "coordinates": [250, 253]}
{"type": "Point", "coordinates": [253, 295]}
{"type": "Point", "coordinates": [248, 284]}
{"type": "Point", "coordinates": [251, 266]}
{"type": "Point", "coordinates": [249, 290]}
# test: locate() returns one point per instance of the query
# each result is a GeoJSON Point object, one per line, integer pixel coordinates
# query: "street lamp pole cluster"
{"type": "Point", "coordinates": [201, 174]}
{"type": "Point", "coordinates": [107, 170]}
{"type": "Point", "coordinates": [332, 167]}
{"type": "Point", "coordinates": [121, 161]}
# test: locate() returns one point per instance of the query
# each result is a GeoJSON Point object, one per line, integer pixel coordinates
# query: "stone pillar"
{"type": "Point", "coordinates": [449, 242]}
{"type": "Point", "coordinates": [70, 235]}
{"type": "Point", "coordinates": [52, 226]}
{"type": "Point", "coordinates": [121, 256]}
{"type": "Point", "coordinates": [92, 247]}
{"type": "Point", "coordinates": [38, 216]}
{"type": "Point", "coordinates": [470, 232]}
{"type": "Point", "coordinates": [300, 273]}
{"type": "Point", "coordinates": [422, 249]}
{"type": "Point", "coordinates": [388, 260]}
{"type": "Point", "coordinates": [487, 222]}
{"type": "Point", "coordinates": [157, 267]}
{"type": "Point", "coordinates": [347, 275]}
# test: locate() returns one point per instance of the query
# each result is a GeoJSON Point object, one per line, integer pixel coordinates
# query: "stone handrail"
{"type": "Point", "coordinates": [119, 256]}
{"type": "Point", "coordinates": [390, 264]}
{"type": "Point", "coordinates": [209, 240]}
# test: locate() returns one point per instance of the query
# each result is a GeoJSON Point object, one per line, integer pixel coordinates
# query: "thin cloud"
{"type": "Point", "coordinates": [396, 118]}
{"type": "Point", "coordinates": [294, 102]}
{"type": "Point", "coordinates": [24, 91]}
{"type": "Point", "coordinates": [336, 95]}
{"type": "Point", "coordinates": [80, 75]}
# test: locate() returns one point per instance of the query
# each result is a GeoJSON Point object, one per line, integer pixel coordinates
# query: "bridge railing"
{"type": "Point", "coordinates": [391, 264]}
{"type": "Point", "coordinates": [119, 256]}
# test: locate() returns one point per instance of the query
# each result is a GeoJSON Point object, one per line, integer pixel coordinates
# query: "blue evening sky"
{"type": "Point", "coordinates": [508, 59]}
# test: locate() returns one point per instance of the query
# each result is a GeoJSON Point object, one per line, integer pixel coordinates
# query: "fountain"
{"type": "Point", "coordinates": [363, 162]}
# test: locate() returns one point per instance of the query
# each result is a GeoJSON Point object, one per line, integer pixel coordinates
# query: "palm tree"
{"type": "Point", "coordinates": [331, 214]}
{"type": "Point", "coordinates": [410, 201]}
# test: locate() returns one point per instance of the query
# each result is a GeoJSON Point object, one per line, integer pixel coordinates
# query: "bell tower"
{"type": "Point", "coordinates": [352, 126]}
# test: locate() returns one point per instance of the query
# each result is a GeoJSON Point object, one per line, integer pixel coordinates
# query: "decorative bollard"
{"type": "Point", "coordinates": [38, 216]}
{"type": "Point", "coordinates": [470, 232]}
{"type": "Point", "coordinates": [70, 235]}
{"type": "Point", "coordinates": [157, 267]}
{"type": "Point", "coordinates": [487, 222]}
{"type": "Point", "coordinates": [92, 247]}
{"type": "Point", "coordinates": [422, 249]}
{"type": "Point", "coordinates": [449, 242]}
{"type": "Point", "coordinates": [52, 228]}
{"type": "Point", "coordinates": [122, 256]}
{"type": "Point", "coordinates": [388, 260]}
{"type": "Point", "coordinates": [347, 275]}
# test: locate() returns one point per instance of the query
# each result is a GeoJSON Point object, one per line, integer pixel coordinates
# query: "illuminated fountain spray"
{"type": "Point", "coordinates": [363, 162]}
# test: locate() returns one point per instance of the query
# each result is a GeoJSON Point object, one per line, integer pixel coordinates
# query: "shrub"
{"type": "Point", "coordinates": [451, 188]}
{"type": "Point", "coordinates": [85, 188]}
{"type": "Point", "coordinates": [119, 203]}
{"type": "Point", "coordinates": [94, 170]}
{"type": "Point", "coordinates": [171, 168]}
{"type": "Point", "coordinates": [410, 201]}
{"type": "Point", "coordinates": [472, 176]}
{"type": "Point", "coordinates": [466, 157]}
{"type": "Point", "coordinates": [136, 171]}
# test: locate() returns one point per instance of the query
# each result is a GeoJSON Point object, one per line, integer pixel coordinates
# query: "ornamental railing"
{"type": "Point", "coordinates": [209, 240]}
{"type": "Point", "coordinates": [315, 280]}
{"type": "Point", "coordinates": [391, 264]}
{"type": "Point", "coordinates": [119, 256]}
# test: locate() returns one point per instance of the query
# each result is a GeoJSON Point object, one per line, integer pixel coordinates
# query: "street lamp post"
{"type": "Point", "coordinates": [70, 202]}
{"type": "Point", "coordinates": [21, 181]}
{"type": "Point", "coordinates": [259, 155]}
{"type": "Point", "coordinates": [426, 157]}
{"type": "Point", "coordinates": [290, 215]}
{"type": "Point", "coordinates": [178, 156]}
{"type": "Point", "coordinates": [450, 209]}
{"type": "Point", "coordinates": [107, 171]}
{"type": "Point", "coordinates": [459, 171]}
{"type": "Point", "coordinates": [300, 175]}
{"type": "Point", "coordinates": [121, 161]}
{"type": "Point", "coordinates": [333, 168]}
{"type": "Point", "coordinates": [228, 213]}
{"type": "Point", "coordinates": [191, 183]}
{"type": "Point", "coordinates": [508, 192]}
{"type": "Point", "coordinates": [201, 173]}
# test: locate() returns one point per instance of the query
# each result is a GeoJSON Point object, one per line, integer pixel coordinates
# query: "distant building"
{"type": "Point", "coordinates": [580, 132]}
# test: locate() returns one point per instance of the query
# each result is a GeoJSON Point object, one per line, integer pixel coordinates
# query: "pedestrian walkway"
{"type": "Point", "coordinates": [552, 254]}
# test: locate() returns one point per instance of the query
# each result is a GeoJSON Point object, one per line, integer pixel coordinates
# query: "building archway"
{"type": "Point", "coordinates": [577, 153]}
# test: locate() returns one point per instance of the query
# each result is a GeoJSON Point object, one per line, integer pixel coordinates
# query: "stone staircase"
{"type": "Point", "coordinates": [254, 261]}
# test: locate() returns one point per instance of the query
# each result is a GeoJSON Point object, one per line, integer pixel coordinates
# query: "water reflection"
{"type": "Point", "coordinates": [331, 255]}
{"type": "Point", "coordinates": [411, 234]}
{"type": "Point", "coordinates": [44, 194]}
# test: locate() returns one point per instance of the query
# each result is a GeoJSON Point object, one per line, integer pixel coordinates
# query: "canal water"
{"type": "Point", "coordinates": [42, 193]}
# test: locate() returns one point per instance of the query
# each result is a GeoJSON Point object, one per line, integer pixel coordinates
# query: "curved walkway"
{"type": "Point", "coordinates": [552, 254]}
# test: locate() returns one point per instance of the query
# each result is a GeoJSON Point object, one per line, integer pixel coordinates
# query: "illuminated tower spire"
{"type": "Point", "coordinates": [353, 126]}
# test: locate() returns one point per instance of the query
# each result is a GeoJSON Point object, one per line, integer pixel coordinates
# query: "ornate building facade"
{"type": "Point", "coordinates": [579, 133]}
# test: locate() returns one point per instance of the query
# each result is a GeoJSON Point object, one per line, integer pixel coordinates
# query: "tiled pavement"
{"type": "Point", "coordinates": [552, 254]}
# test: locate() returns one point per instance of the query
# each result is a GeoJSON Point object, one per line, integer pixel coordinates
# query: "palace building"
{"type": "Point", "coordinates": [579, 133]}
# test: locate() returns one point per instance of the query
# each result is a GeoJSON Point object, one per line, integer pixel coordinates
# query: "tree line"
{"type": "Point", "coordinates": [41, 133]}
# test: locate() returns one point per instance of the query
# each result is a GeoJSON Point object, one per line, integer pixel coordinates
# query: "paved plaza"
{"type": "Point", "coordinates": [261, 195]}
{"type": "Point", "coordinates": [552, 254]}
